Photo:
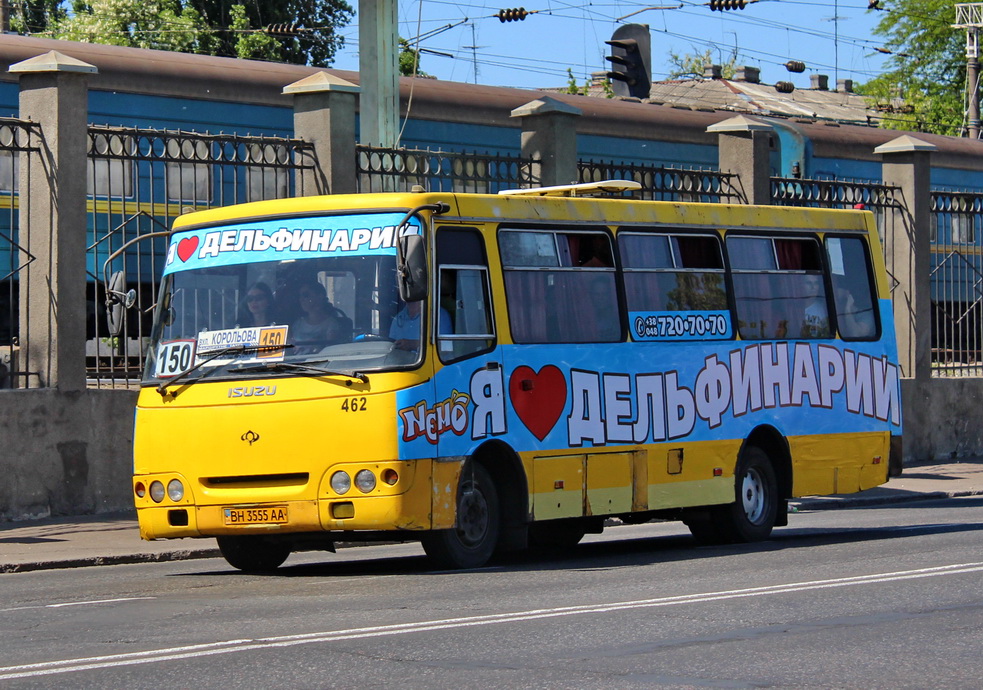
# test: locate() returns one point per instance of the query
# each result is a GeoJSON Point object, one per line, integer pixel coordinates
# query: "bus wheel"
{"type": "Point", "coordinates": [472, 541]}
{"type": "Point", "coordinates": [752, 514]}
{"type": "Point", "coordinates": [253, 554]}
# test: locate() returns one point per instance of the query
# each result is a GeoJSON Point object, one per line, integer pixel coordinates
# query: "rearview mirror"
{"type": "Point", "coordinates": [412, 269]}
{"type": "Point", "coordinates": [118, 299]}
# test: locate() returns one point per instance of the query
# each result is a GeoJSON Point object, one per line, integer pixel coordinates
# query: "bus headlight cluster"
{"type": "Point", "coordinates": [175, 490]}
{"type": "Point", "coordinates": [341, 483]}
{"type": "Point", "coordinates": [157, 491]}
{"type": "Point", "coordinates": [365, 480]}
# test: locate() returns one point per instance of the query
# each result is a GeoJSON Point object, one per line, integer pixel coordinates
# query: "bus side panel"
{"type": "Point", "coordinates": [838, 463]}
{"type": "Point", "coordinates": [446, 476]}
{"type": "Point", "coordinates": [682, 475]}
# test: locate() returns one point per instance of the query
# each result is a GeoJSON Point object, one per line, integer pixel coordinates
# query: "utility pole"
{"type": "Point", "coordinates": [969, 16]}
{"type": "Point", "coordinates": [474, 52]}
{"type": "Point", "coordinates": [378, 72]}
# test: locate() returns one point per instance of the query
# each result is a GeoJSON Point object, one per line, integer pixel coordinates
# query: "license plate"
{"type": "Point", "coordinates": [272, 515]}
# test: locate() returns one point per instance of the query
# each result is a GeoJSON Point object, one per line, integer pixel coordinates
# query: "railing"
{"type": "Point", "coordinates": [15, 141]}
{"type": "Point", "coordinates": [881, 199]}
{"type": "Point", "coordinates": [660, 183]}
{"type": "Point", "coordinates": [139, 180]}
{"type": "Point", "coordinates": [385, 170]}
{"type": "Point", "coordinates": [790, 191]}
{"type": "Point", "coordinates": [957, 284]}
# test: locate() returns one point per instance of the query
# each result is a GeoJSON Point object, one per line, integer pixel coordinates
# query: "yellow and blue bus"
{"type": "Point", "coordinates": [485, 373]}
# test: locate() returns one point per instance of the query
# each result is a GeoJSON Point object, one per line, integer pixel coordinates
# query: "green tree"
{"type": "Point", "coordinates": [923, 86]}
{"type": "Point", "coordinates": [211, 27]}
{"type": "Point", "coordinates": [691, 65]}
{"type": "Point", "coordinates": [34, 16]}
{"type": "Point", "coordinates": [156, 24]}
{"type": "Point", "coordinates": [250, 44]}
{"type": "Point", "coordinates": [315, 43]}
{"type": "Point", "coordinates": [409, 60]}
{"type": "Point", "coordinates": [574, 88]}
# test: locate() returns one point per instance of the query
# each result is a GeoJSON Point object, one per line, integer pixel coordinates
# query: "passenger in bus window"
{"type": "Point", "coordinates": [257, 307]}
{"type": "Point", "coordinates": [855, 321]}
{"type": "Point", "coordinates": [321, 323]}
{"type": "Point", "coordinates": [815, 320]}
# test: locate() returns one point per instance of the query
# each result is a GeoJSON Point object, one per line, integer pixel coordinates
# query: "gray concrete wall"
{"type": "Point", "coordinates": [65, 453]}
{"type": "Point", "coordinates": [941, 418]}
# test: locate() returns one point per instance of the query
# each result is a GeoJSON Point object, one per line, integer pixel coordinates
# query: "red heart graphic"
{"type": "Point", "coordinates": [538, 399]}
{"type": "Point", "coordinates": [186, 248]}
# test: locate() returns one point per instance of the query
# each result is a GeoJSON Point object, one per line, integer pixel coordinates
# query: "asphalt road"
{"type": "Point", "coordinates": [866, 598]}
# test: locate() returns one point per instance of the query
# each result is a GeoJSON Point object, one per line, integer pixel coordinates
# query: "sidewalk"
{"type": "Point", "coordinates": [75, 542]}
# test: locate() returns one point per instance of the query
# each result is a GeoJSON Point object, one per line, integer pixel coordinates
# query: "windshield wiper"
{"type": "Point", "coordinates": [231, 350]}
{"type": "Point", "coordinates": [300, 367]}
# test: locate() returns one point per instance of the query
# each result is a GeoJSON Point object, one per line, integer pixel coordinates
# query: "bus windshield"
{"type": "Point", "coordinates": [278, 294]}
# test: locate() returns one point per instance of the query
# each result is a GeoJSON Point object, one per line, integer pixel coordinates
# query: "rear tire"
{"type": "Point", "coordinates": [253, 554]}
{"type": "Point", "coordinates": [474, 537]}
{"type": "Point", "coordinates": [753, 513]}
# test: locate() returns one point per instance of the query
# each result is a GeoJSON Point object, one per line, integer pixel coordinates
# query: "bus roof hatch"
{"type": "Point", "coordinates": [585, 189]}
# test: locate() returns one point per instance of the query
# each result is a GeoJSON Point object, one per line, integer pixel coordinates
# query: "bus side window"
{"type": "Point", "coordinates": [779, 289]}
{"type": "Point", "coordinates": [675, 273]}
{"type": "Point", "coordinates": [572, 274]}
{"type": "Point", "coordinates": [464, 317]}
{"type": "Point", "coordinates": [849, 268]}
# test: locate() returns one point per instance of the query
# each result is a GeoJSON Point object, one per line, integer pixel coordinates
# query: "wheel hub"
{"type": "Point", "coordinates": [753, 495]}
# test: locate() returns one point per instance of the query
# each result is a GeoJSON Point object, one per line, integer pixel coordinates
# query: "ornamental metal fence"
{"type": "Point", "coordinates": [381, 169]}
{"type": "Point", "coordinates": [18, 140]}
{"type": "Point", "coordinates": [661, 183]}
{"type": "Point", "coordinates": [139, 180]}
{"type": "Point", "coordinates": [957, 283]}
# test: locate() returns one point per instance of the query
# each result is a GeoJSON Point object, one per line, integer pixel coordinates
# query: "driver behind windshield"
{"type": "Point", "coordinates": [320, 323]}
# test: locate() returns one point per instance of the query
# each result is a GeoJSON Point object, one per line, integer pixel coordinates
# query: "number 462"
{"type": "Point", "coordinates": [353, 405]}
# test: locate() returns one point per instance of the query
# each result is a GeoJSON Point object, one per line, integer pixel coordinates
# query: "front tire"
{"type": "Point", "coordinates": [253, 554]}
{"type": "Point", "coordinates": [754, 511]}
{"type": "Point", "coordinates": [474, 537]}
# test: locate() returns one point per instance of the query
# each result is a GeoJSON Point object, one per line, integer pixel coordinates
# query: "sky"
{"type": "Point", "coordinates": [832, 37]}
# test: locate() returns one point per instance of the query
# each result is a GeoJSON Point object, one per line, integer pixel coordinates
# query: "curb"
{"type": "Point", "coordinates": [823, 503]}
{"type": "Point", "coordinates": [126, 559]}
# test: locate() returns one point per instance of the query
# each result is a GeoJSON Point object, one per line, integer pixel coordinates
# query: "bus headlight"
{"type": "Point", "coordinates": [365, 481]}
{"type": "Point", "coordinates": [156, 491]}
{"type": "Point", "coordinates": [175, 490]}
{"type": "Point", "coordinates": [341, 483]}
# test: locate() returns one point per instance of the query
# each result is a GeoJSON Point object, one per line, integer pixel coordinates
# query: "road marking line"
{"type": "Point", "coordinates": [228, 646]}
{"type": "Point", "coordinates": [76, 603]}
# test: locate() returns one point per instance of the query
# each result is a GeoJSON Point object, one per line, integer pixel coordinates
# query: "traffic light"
{"type": "Point", "coordinates": [630, 59]}
{"type": "Point", "coordinates": [721, 5]}
{"type": "Point", "coordinates": [513, 15]}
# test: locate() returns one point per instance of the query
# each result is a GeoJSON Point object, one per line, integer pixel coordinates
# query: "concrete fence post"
{"type": "Point", "coordinates": [324, 114]}
{"type": "Point", "coordinates": [54, 94]}
{"type": "Point", "coordinates": [907, 165]}
{"type": "Point", "coordinates": [549, 135]}
{"type": "Point", "coordinates": [743, 149]}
